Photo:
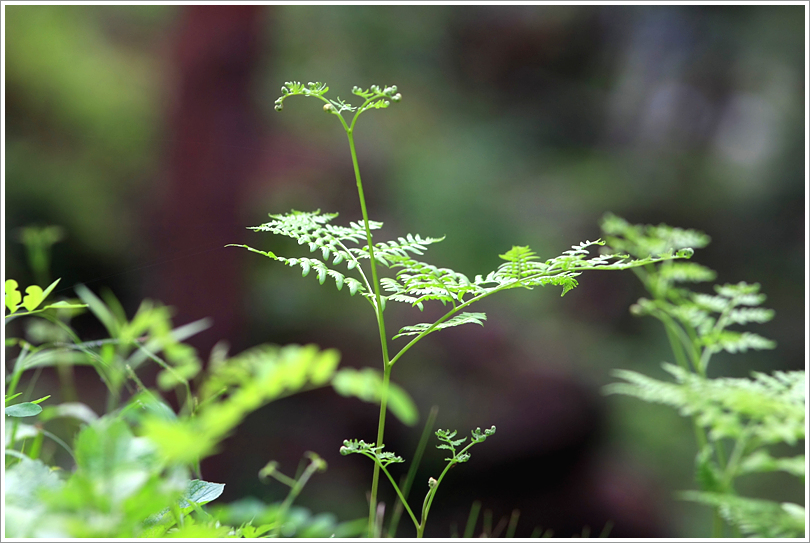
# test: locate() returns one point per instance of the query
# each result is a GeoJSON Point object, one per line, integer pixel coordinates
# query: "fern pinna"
{"type": "Point", "coordinates": [753, 415]}
{"type": "Point", "coordinates": [416, 282]}
{"type": "Point", "coordinates": [350, 257]}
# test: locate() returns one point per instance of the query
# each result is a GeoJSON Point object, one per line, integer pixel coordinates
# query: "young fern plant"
{"type": "Point", "coordinates": [412, 281]}
{"type": "Point", "coordinates": [752, 416]}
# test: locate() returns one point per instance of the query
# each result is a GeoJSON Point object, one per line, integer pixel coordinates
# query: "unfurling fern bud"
{"type": "Point", "coordinates": [279, 106]}
{"type": "Point", "coordinates": [432, 482]}
{"type": "Point", "coordinates": [396, 98]}
{"type": "Point", "coordinates": [329, 108]}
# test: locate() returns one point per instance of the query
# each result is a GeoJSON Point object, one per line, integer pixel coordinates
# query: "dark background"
{"type": "Point", "coordinates": [148, 134]}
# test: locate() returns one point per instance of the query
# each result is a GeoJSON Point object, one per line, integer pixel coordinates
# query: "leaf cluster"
{"type": "Point", "coordinates": [416, 282]}
{"type": "Point", "coordinates": [375, 97]}
{"type": "Point", "coordinates": [133, 466]}
{"type": "Point", "coordinates": [448, 443]}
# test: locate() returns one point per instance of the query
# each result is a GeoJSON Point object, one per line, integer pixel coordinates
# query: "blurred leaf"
{"type": "Point", "coordinates": [366, 384]}
{"type": "Point", "coordinates": [24, 482]}
{"type": "Point", "coordinates": [75, 410]}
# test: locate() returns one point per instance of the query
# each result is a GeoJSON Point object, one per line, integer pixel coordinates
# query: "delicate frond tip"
{"type": "Point", "coordinates": [375, 97]}
{"type": "Point", "coordinates": [448, 443]}
{"type": "Point", "coordinates": [375, 452]}
{"type": "Point", "coordinates": [644, 240]}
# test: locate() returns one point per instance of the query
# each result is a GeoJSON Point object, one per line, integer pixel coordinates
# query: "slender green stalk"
{"type": "Point", "coordinates": [417, 458]}
{"type": "Point", "coordinates": [378, 308]}
{"type": "Point", "coordinates": [296, 487]}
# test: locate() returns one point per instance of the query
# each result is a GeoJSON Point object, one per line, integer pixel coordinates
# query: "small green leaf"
{"type": "Point", "coordinates": [33, 297]}
{"type": "Point", "coordinates": [201, 492]}
{"type": "Point", "coordinates": [25, 409]}
{"type": "Point", "coordinates": [13, 296]}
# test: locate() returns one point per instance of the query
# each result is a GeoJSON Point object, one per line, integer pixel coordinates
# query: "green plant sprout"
{"type": "Point", "coordinates": [384, 458]}
{"type": "Point", "coordinates": [415, 282]}
{"type": "Point", "coordinates": [750, 415]}
{"type": "Point", "coordinates": [316, 463]}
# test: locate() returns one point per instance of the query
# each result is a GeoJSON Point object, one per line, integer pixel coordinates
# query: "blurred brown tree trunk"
{"type": "Point", "coordinates": [212, 147]}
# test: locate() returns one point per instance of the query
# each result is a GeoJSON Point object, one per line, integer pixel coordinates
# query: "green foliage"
{"type": "Point", "coordinates": [755, 518]}
{"type": "Point", "coordinates": [375, 97]}
{"type": "Point", "coordinates": [416, 282]}
{"type": "Point", "coordinates": [133, 466]}
{"type": "Point", "coordinates": [450, 444]}
{"type": "Point", "coordinates": [751, 415]}
{"type": "Point", "coordinates": [763, 410]}
{"type": "Point", "coordinates": [33, 299]}
{"type": "Point", "coordinates": [375, 452]}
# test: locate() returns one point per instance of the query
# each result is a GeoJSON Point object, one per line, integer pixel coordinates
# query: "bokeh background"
{"type": "Point", "coordinates": [148, 134]}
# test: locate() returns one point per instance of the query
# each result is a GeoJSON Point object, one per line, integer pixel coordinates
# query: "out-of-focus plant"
{"type": "Point", "coordinates": [739, 423]}
{"type": "Point", "coordinates": [136, 469]}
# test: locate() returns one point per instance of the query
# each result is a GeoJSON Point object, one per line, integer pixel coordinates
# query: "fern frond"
{"type": "Point", "coordinates": [686, 272]}
{"type": "Point", "coordinates": [736, 342]}
{"type": "Point", "coordinates": [375, 452]}
{"type": "Point", "coordinates": [643, 240]}
{"type": "Point", "coordinates": [458, 320]}
{"type": "Point", "coordinates": [420, 282]}
{"type": "Point", "coordinates": [322, 271]}
{"type": "Point", "coordinates": [383, 251]}
{"type": "Point", "coordinates": [770, 409]}
{"type": "Point", "coordinates": [755, 518]}
{"type": "Point", "coordinates": [760, 461]}
{"type": "Point", "coordinates": [523, 270]}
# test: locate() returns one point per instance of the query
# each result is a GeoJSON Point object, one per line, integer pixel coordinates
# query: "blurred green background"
{"type": "Point", "coordinates": [148, 134]}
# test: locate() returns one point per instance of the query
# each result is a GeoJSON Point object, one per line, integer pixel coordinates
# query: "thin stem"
{"type": "Point", "coordinates": [380, 323]}
{"type": "Point", "coordinates": [417, 458]}
{"type": "Point", "coordinates": [296, 489]}
{"type": "Point", "coordinates": [398, 491]}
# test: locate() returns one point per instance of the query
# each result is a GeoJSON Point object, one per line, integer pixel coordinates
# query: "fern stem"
{"type": "Point", "coordinates": [398, 491]}
{"type": "Point", "coordinates": [380, 325]}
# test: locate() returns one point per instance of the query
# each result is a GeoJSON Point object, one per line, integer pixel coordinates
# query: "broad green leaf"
{"type": "Point", "coordinates": [25, 409]}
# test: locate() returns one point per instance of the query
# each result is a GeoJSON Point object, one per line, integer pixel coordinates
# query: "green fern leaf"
{"type": "Point", "coordinates": [755, 518]}
{"type": "Point", "coordinates": [458, 320]}
{"type": "Point", "coordinates": [734, 342]}
{"type": "Point", "coordinates": [644, 240]}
